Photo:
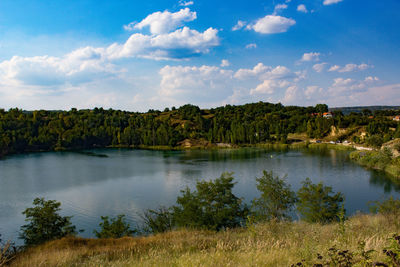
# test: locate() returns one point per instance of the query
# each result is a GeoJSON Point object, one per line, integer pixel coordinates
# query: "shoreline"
{"type": "Point", "coordinates": [357, 155]}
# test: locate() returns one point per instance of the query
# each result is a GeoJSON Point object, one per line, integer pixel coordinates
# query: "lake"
{"type": "Point", "coordinates": [108, 182]}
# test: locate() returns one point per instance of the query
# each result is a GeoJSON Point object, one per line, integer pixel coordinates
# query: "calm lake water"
{"type": "Point", "coordinates": [122, 181]}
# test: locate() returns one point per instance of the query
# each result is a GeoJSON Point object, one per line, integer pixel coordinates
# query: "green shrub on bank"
{"type": "Point", "coordinates": [44, 223]}
{"type": "Point", "coordinates": [317, 204]}
{"type": "Point", "coordinates": [276, 199]}
{"type": "Point", "coordinates": [114, 227]}
{"type": "Point", "coordinates": [211, 206]}
{"type": "Point", "coordinates": [159, 220]}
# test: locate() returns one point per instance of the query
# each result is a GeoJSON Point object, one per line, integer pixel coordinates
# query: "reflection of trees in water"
{"type": "Point", "coordinates": [222, 155]}
{"type": "Point", "coordinates": [378, 179]}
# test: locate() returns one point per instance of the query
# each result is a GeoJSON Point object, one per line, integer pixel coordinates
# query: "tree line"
{"type": "Point", "coordinates": [41, 130]}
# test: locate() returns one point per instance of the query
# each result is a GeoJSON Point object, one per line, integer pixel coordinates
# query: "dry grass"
{"type": "Point", "coordinates": [269, 244]}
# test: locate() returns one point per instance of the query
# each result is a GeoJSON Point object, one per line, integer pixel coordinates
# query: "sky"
{"type": "Point", "coordinates": [140, 55]}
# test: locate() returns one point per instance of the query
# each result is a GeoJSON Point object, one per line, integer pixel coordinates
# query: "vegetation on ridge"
{"type": "Point", "coordinates": [22, 131]}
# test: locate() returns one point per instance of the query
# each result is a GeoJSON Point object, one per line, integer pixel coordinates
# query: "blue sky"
{"type": "Point", "coordinates": [136, 55]}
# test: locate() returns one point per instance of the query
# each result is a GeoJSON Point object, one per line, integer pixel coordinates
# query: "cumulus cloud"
{"type": "Point", "coordinates": [186, 3]}
{"type": "Point", "coordinates": [371, 79]}
{"type": "Point", "coordinates": [272, 24]}
{"type": "Point", "coordinates": [330, 2]}
{"type": "Point", "coordinates": [269, 86]}
{"type": "Point", "coordinates": [164, 22]}
{"type": "Point", "coordinates": [319, 67]}
{"type": "Point", "coordinates": [350, 67]}
{"type": "Point", "coordinates": [79, 66]}
{"type": "Point", "coordinates": [225, 63]}
{"type": "Point", "coordinates": [279, 72]}
{"type": "Point", "coordinates": [334, 68]}
{"type": "Point", "coordinates": [182, 43]}
{"type": "Point", "coordinates": [239, 25]}
{"type": "Point", "coordinates": [292, 95]}
{"type": "Point", "coordinates": [251, 46]}
{"type": "Point", "coordinates": [205, 83]}
{"type": "Point", "coordinates": [258, 69]}
{"type": "Point", "coordinates": [49, 74]}
{"type": "Point", "coordinates": [312, 56]}
{"type": "Point", "coordinates": [312, 90]}
{"type": "Point", "coordinates": [273, 79]}
{"type": "Point", "coordinates": [302, 8]}
{"type": "Point", "coordinates": [349, 86]}
{"type": "Point", "coordinates": [280, 7]}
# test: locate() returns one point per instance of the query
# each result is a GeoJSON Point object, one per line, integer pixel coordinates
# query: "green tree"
{"type": "Point", "coordinates": [316, 202]}
{"type": "Point", "coordinates": [114, 227]}
{"type": "Point", "coordinates": [45, 223]}
{"type": "Point", "coordinates": [212, 206]}
{"type": "Point", "coordinates": [321, 108]}
{"type": "Point", "coordinates": [276, 199]}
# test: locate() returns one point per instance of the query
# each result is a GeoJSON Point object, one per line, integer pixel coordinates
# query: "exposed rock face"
{"type": "Point", "coordinates": [393, 146]}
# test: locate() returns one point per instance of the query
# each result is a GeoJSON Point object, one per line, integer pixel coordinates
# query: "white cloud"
{"type": "Point", "coordinates": [186, 3]}
{"type": "Point", "coordinates": [312, 90]}
{"type": "Point", "coordinates": [319, 67]}
{"type": "Point", "coordinates": [164, 22]}
{"type": "Point", "coordinates": [342, 82]}
{"type": "Point", "coordinates": [129, 27]}
{"type": "Point", "coordinates": [371, 79]}
{"type": "Point", "coordinates": [350, 67]}
{"type": "Point", "coordinates": [239, 25]}
{"type": "Point", "coordinates": [334, 68]}
{"type": "Point", "coordinates": [225, 63]}
{"type": "Point", "coordinates": [280, 7]}
{"type": "Point", "coordinates": [292, 95]}
{"type": "Point", "coordinates": [349, 86]}
{"type": "Point", "coordinates": [49, 74]}
{"type": "Point", "coordinates": [312, 56]}
{"type": "Point", "coordinates": [330, 2]}
{"type": "Point", "coordinates": [258, 69]}
{"type": "Point", "coordinates": [79, 66]}
{"type": "Point", "coordinates": [200, 84]}
{"type": "Point", "coordinates": [262, 72]}
{"type": "Point", "coordinates": [251, 46]}
{"type": "Point", "coordinates": [302, 8]}
{"type": "Point", "coordinates": [269, 86]}
{"type": "Point", "coordinates": [182, 43]}
{"type": "Point", "coordinates": [279, 72]}
{"type": "Point", "coordinates": [272, 24]}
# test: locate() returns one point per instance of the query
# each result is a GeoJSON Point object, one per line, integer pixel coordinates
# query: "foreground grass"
{"type": "Point", "coordinates": [268, 244]}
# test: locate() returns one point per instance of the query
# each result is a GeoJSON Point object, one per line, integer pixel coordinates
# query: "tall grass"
{"type": "Point", "coordinates": [267, 244]}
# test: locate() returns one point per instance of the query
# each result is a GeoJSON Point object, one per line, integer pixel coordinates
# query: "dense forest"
{"type": "Point", "coordinates": [26, 131]}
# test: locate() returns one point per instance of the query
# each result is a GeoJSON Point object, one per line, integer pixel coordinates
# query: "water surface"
{"type": "Point", "coordinates": [96, 183]}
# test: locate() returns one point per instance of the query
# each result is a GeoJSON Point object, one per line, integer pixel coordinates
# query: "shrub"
{"type": "Point", "coordinates": [45, 223]}
{"type": "Point", "coordinates": [276, 198]}
{"type": "Point", "coordinates": [374, 140]}
{"type": "Point", "coordinates": [389, 207]}
{"type": "Point", "coordinates": [212, 206]}
{"type": "Point", "coordinates": [114, 227]}
{"type": "Point", "coordinates": [158, 221]}
{"type": "Point", "coordinates": [317, 204]}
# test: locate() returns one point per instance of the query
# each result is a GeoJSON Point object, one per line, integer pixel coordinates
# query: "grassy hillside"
{"type": "Point", "coordinates": [269, 244]}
